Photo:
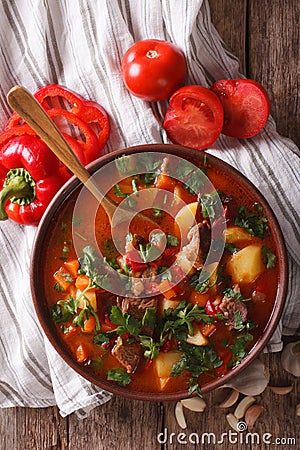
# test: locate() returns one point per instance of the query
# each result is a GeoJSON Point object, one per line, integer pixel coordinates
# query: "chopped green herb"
{"type": "Point", "coordinates": [268, 257]}
{"type": "Point", "coordinates": [101, 338]}
{"type": "Point", "coordinates": [196, 360]}
{"type": "Point", "coordinates": [238, 323]}
{"type": "Point", "coordinates": [149, 318]}
{"type": "Point", "coordinates": [118, 191]}
{"type": "Point", "coordinates": [119, 375]}
{"type": "Point", "coordinates": [194, 386]}
{"type": "Point", "coordinates": [64, 310]}
{"type": "Point", "coordinates": [135, 186]}
{"type": "Point", "coordinates": [67, 277]}
{"type": "Point", "coordinates": [90, 265]}
{"type": "Point", "coordinates": [157, 212]}
{"type": "Point", "coordinates": [231, 293]}
{"type": "Point", "coordinates": [151, 347]}
{"type": "Point", "coordinates": [126, 323]}
{"type": "Point", "coordinates": [58, 287]}
{"type": "Point", "coordinates": [209, 203]}
{"type": "Point", "coordinates": [240, 348]}
{"type": "Point", "coordinates": [231, 248]}
{"type": "Point", "coordinates": [172, 241]}
{"type": "Point", "coordinates": [197, 282]}
{"type": "Point", "coordinates": [254, 223]}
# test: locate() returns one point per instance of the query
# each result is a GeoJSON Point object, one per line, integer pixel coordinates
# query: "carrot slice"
{"type": "Point", "coordinates": [89, 325]}
{"type": "Point", "coordinates": [72, 266]}
{"type": "Point", "coordinates": [207, 328]}
{"type": "Point", "coordinates": [165, 287]}
{"type": "Point", "coordinates": [81, 353]}
{"type": "Point", "coordinates": [82, 282]}
{"type": "Point", "coordinates": [200, 299]}
{"type": "Point", "coordinates": [163, 181]}
{"type": "Point", "coordinates": [63, 278]}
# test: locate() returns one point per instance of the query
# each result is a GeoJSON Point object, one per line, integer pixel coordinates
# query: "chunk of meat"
{"type": "Point", "coordinates": [205, 237]}
{"type": "Point", "coordinates": [128, 355]}
{"type": "Point", "coordinates": [150, 272]}
{"type": "Point", "coordinates": [229, 306]}
{"type": "Point", "coordinates": [137, 306]}
{"type": "Point", "coordinates": [199, 238]}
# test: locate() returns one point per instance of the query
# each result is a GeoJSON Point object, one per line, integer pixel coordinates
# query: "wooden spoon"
{"type": "Point", "coordinates": [25, 104]}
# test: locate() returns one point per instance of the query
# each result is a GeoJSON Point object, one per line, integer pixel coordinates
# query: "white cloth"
{"type": "Point", "coordinates": [79, 44]}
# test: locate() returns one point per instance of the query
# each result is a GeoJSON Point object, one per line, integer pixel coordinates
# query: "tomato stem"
{"type": "Point", "coordinates": [152, 54]}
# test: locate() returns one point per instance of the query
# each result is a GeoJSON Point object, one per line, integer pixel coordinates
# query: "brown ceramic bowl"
{"type": "Point", "coordinates": [37, 274]}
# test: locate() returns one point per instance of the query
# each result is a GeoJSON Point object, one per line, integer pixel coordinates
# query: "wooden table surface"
{"type": "Point", "coordinates": [264, 34]}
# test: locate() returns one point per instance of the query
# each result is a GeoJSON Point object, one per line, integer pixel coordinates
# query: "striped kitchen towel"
{"type": "Point", "coordinates": [79, 44]}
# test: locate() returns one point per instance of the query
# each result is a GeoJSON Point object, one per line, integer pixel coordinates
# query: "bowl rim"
{"type": "Point", "coordinates": [68, 189]}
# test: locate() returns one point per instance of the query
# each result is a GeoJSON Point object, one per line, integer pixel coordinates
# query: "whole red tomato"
{"type": "Point", "coordinates": [246, 106]}
{"type": "Point", "coordinates": [194, 118]}
{"type": "Point", "coordinates": [153, 69]}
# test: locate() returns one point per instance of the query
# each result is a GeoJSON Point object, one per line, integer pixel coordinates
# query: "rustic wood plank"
{"type": "Point", "coordinates": [278, 419]}
{"type": "Point", "coordinates": [231, 26]}
{"type": "Point", "coordinates": [274, 55]}
{"type": "Point", "coordinates": [32, 429]}
{"type": "Point", "coordinates": [265, 39]}
{"type": "Point", "coordinates": [119, 424]}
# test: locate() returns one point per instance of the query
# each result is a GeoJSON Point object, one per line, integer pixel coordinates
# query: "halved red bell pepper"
{"type": "Point", "coordinates": [20, 149]}
{"type": "Point", "coordinates": [31, 175]}
{"type": "Point", "coordinates": [89, 112]}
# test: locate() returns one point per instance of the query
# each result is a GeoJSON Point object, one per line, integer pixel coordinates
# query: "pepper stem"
{"type": "Point", "coordinates": [18, 187]}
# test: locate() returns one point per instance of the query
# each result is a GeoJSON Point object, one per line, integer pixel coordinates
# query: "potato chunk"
{"type": "Point", "coordinates": [185, 218]}
{"type": "Point", "coordinates": [164, 362]}
{"type": "Point", "coordinates": [165, 304]}
{"type": "Point", "coordinates": [198, 338]}
{"type": "Point", "coordinates": [246, 265]}
{"type": "Point", "coordinates": [234, 235]}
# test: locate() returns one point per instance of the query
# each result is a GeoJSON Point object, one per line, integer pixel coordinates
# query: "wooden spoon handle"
{"type": "Point", "coordinates": [25, 104]}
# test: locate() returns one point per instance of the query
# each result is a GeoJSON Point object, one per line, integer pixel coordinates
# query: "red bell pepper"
{"type": "Point", "coordinates": [211, 309]}
{"type": "Point", "coordinates": [134, 260]}
{"type": "Point", "coordinates": [85, 114]}
{"type": "Point", "coordinates": [21, 149]}
{"type": "Point", "coordinates": [30, 175]}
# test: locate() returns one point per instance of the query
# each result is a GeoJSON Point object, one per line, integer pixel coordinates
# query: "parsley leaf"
{"type": "Point", "coordinates": [64, 310]}
{"type": "Point", "coordinates": [230, 293]}
{"type": "Point", "coordinates": [240, 348]}
{"type": "Point", "coordinates": [255, 223]}
{"type": "Point", "coordinates": [231, 248]}
{"type": "Point", "coordinates": [90, 265]}
{"type": "Point", "coordinates": [151, 347]}
{"type": "Point", "coordinates": [268, 257]}
{"type": "Point", "coordinates": [101, 338]}
{"type": "Point", "coordinates": [119, 375]}
{"type": "Point", "coordinates": [126, 323]}
{"type": "Point", "coordinates": [172, 241]}
{"type": "Point", "coordinates": [208, 204]}
{"type": "Point", "coordinates": [196, 360]}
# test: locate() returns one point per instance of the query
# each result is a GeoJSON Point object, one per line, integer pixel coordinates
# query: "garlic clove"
{"type": "Point", "coordinates": [251, 381]}
{"type": "Point", "coordinates": [281, 390]}
{"type": "Point", "coordinates": [230, 400]}
{"type": "Point", "coordinates": [252, 414]}
{"type": "Point", "coordinates": [235, 423]}
{"type": "Point", "coordinates": [243, 406]}
{"type": "Point", "coordinates": [179, 414]}
{"type": "Point", "coordinates": [196, 404]}
{"type": "Point", "coordinates": [290, 358]}
{"type": "Point", "coordinates": [298, 410]}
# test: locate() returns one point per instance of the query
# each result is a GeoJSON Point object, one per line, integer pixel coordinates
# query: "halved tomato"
{"type": "Point", "coordinates": [194, 118]}
{"type": "Point", "coordinates": [246, 106]}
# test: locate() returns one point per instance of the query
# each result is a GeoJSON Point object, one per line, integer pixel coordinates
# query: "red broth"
{"type": "Point", "coordinates": [206, 329]}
